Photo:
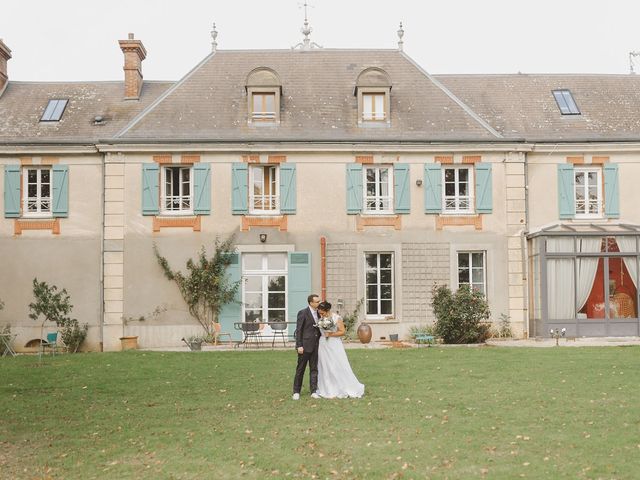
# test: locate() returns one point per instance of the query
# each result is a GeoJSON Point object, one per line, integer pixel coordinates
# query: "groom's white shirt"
{"type": "Point", "coordinates": [314, 314]}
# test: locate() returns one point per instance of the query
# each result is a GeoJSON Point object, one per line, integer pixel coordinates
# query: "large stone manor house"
{"type": "Point", "coordinates": [354, 174]}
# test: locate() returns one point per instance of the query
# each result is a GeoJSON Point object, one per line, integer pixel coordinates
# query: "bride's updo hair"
{"type": "Point", "coordinates": [324, 306]}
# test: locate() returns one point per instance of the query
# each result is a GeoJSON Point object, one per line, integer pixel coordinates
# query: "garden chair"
{"type": "Point", "coordinates": [251, 332]}
{"type": "Point", "coordinates": [217, 333]}
{"type": "Point", "coordinates": [51, 343]}
{"type": "Point", "coordinates": [279, 329]}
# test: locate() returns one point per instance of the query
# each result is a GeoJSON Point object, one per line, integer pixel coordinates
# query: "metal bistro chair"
{"type": "Point", "coordinates": [279, 329]}
{"type": "Point", "coordinates": [51, 343]}
{"type": "Point", "coordinates": [251, 332]}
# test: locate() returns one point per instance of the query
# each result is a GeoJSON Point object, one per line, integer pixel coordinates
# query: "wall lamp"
{"type": "Point", "coordinates": [263, 238]}
{"type": "Point", "coordinates": [419, 182]}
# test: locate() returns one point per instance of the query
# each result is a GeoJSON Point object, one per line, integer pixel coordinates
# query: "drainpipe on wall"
{"type": "Point", "coordinates": [525, 249]}
{"type": "Point", "coordinates": [323, 267]}
{"type": "Point", "coordinates": [102, 213]}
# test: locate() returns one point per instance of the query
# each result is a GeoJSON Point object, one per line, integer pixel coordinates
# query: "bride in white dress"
{"type": "Point", "coordinates": [335, 377]}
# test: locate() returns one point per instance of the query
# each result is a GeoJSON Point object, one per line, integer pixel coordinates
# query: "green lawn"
{"type": "Point", "coordinates": [428, 413]}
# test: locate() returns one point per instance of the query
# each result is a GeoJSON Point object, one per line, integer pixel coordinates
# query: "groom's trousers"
{"type": "Point", "coordinates": [312, 359]}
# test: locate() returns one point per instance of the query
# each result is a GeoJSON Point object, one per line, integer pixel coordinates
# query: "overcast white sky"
{"type": "Point", "coordinates": [77, 39]}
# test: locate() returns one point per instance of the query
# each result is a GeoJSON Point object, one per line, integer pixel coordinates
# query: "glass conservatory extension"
{"type": "Point", "coordinates": [584, 277]}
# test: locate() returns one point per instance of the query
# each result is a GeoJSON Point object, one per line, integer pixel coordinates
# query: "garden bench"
{"type": "Point", "coordinates": [424, 338]}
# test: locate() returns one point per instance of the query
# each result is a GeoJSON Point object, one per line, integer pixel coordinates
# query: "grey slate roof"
{"type": "Point", "coordinates": [318, 102]}
{"type": "Point", "coordinates": [522, 105]}
{"type": "Point", "coordinates": [22, 105]}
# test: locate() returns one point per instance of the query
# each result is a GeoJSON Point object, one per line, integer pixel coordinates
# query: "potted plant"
{"type": "Point", "coordinates": [130, 342]}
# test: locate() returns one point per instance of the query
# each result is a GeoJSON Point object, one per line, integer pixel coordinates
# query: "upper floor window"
{"type": "Point", "coordinates": [566, 103]}
{"type": "Point", "coordinates": [264, 196]}
{"type": "Point", "coordinates": [55, 109]}
{"type": "Point", "coordinates": [373, 90]}
{"type": "Point", "coordinates": [264, 106]}
{"type": "Point", "coordinates": [264, 91]}
{"type": "Point", "coordinates": [177, 198]}
{"type": "Point", "coordinates": [458, 189]}
{"type": "Point", "coordinates": [588, 192]}
{"type": "Point", "coordinates": [373, 107]}
{"type": "Point", "coordinates": [378, 189]}
{"type": "Point", "coordinates": [37, 188]}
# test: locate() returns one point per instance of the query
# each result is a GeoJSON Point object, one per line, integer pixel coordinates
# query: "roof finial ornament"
{"type": "Point", "coordinates": [214, 36]}
{"type": "Point", "coordinates": [306, 30]}
{"type": "Point", "coordinates": [400, 35]}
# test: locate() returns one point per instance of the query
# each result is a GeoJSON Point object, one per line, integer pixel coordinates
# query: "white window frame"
{"type": "Point", "coordinates": [38, 199]}
{"type": "Point", "coordinates": [378, 204]}
{"type": "Point", "coordinates": [264, 272]}
{"type": "Point", "coordinates": [379, 286]}
{"type": "Point", "coordinates": [272, 199]}
{"type": "Point", "coordinates": [456, 200]}
{"type": "Point", "coordinates": [264, 115]}
{"type": "Point", "coordinates": [585, 187]}
{"type": "Point", "coordinates": [471, 283]}
{"type": "Point", "coordinates": [377, 111]}
{"type": "Point", "coordinates": [180, 210]}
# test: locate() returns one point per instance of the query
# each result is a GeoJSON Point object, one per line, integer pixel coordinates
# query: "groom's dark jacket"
{"type": "Point", "coordinates": [307, 334]}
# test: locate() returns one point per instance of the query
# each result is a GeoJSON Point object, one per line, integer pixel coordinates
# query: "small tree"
{"type": "Point", "coordinates": [460, 315]}
{"type": "Point", "coordinates": [205, 287]}
{"type": "Point", "coordinates": [53, 305]}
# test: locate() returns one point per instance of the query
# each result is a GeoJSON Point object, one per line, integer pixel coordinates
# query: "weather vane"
{"type": "Point", "coordinates": [306, 30]}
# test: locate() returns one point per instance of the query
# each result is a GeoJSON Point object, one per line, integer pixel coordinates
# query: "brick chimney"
{"type": "Point", "coordinates": [134, 54]}
{"type": "Point", "coordinates": [5, 55]}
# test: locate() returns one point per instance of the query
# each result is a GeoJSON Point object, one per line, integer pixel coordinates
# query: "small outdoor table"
{"type": "Point", "coordinates": [252, 332]}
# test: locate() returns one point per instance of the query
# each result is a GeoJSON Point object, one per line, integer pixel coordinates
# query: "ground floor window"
{"type": "Point", "coordinates": [471, 270]}
{"type": "Point", "coordinates": [264, 287]}
{"type": "Point", "coordinates": [379, 280]}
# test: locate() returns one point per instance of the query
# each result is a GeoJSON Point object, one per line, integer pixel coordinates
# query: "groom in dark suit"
{"type": "Point", "coordinates": [307, 338]}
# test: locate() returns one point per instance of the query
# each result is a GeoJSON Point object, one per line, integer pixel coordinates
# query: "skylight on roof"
{"type": "Point", "coordinates": [55, 109]}
{"type": "Point", "coordinates": [566, 103]}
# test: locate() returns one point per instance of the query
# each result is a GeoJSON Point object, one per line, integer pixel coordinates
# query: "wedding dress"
{"type": "Point", "coordinates": [335, 377]}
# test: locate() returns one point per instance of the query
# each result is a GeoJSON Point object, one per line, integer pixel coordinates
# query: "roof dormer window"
{"type": "Point", "coordinates": [55, 109]}
{"type": "Point", "coordinates": [566, 103]}
{"type": "Point", "coordinates": [373, 90]}
{"type": "Point", "coordinates": [263, 94]}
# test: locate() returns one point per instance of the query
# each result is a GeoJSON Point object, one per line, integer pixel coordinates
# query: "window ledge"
{"type": "Point", "coordinates": [381, 321]}
{"type": "Point", "coordinates": [377, 220]}
{"type": "Point", "coordinates": [457, 220]}
{"type": "Point", "coordinates": [279, 221]}
{"type": "Point", "coordinates": [21, 224]}
{"type": "Point", "coordinates": [191, 221]}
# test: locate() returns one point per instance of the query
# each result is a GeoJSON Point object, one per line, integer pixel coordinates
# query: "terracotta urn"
{"type": "Point", "coordinates": [364, 333]}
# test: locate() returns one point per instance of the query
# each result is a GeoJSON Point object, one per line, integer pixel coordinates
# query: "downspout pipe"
{"type": "Point", "coordinates": [323, 268]}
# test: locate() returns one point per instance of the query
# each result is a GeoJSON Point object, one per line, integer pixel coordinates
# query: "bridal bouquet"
{"type": "Point", "coordinates": [327, 324]}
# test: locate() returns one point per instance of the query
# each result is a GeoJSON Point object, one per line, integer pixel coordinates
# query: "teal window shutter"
{"type": "Point", "coordinates": [60, 206]}
{"type": "Point", "coordinates": [299, 284]}
{"type": "Point", "coordinates": [354, 188]}
{"type": "Point", "coordinates": [566, 187]}
{"type": "Point", "coordinates": [402, 193]}
{"type": "Point", "coordinates": [288, 188]}
{"type": "Point", "coordinates": [239, 188]}
{"type": "Point", "coordinates": [484, 194]}
{"type": "Point", "coordinates": [150, 189]}
{"type": "Point", "coordinates": [202, 188]}
{"type": "Point", "coordinates": [432, 188]}
{"type": "Point", "coordinates": [611, 191]}
{"type": "Point", "coordinates": [11, 191]}
{"type": "Point", "coordinates": [231, 312]}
